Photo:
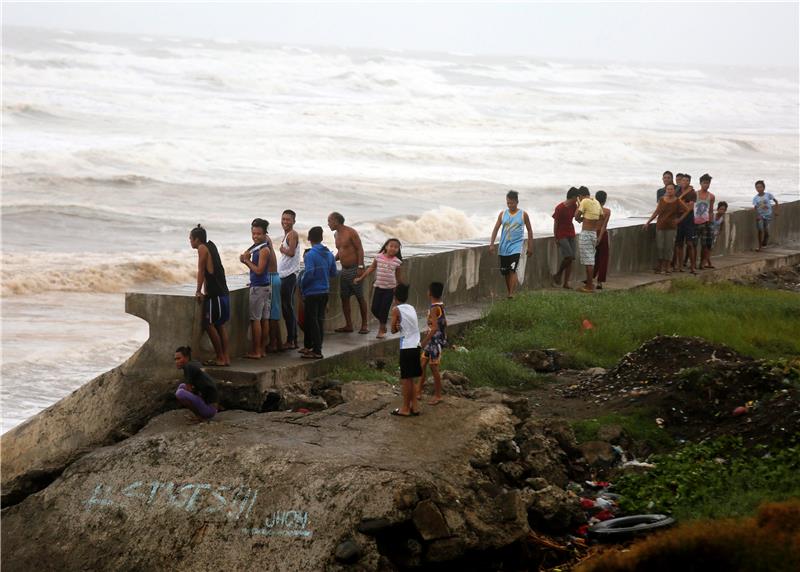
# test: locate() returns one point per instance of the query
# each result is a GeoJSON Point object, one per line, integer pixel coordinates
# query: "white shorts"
{"type": "Point", "coordinates": [587, 243]}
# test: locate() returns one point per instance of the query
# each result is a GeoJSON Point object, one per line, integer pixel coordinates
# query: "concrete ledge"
{"type": "Point", "coordinates": [470, 274]}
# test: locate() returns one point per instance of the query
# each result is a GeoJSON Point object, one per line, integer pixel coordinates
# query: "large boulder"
{"type": "Point", "coordinates": [350, 485]}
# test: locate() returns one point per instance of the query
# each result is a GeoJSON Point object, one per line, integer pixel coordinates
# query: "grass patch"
{"type": "Point", "coordinates": [715, 479]}
{"type": "Point", "coordinates": [755, 322]}
{"type": "Point", "coordinates": [486, 366]}
{"type": "Point", "coordinates": [640, 426]}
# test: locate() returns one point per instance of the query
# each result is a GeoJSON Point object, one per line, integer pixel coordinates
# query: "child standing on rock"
{"type": "Point", "coordinates": [433, 343]}
{"type": "Point", "coordinates": [404, 320]}
{"type": "Point", "coordinates": [387, 268]}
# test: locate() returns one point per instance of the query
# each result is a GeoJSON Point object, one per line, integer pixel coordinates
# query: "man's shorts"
{"type": "Point", "coordinates": [346, 286]}
{"type": "Point", "coordinates": [275, 299]}
{"type": "Point", "coordinates": [566, 247]}
{"type": "Point", "coordinates": [587, 243]}
{"type": "Point", "coordinates": [432, 354]}
{"type": "Point", "coordinates": [260, 302]}
{"type": "Point", "coordinates": [762, 223]}
{"type": "Point", "coordinates": [705, 232]}
{"type": "Point", "coordinates": [508, 264]}
{"type": "Point", "coordinates": [686, 233]}
{"type": "Point", "coordinates": [216, 310]}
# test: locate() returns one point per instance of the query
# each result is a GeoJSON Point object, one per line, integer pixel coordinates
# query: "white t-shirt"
{"type": "Point", "coordinates": [409, 327]}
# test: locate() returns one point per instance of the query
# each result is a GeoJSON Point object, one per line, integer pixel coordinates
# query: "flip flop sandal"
{"type": "Point", "coordinates": [363, 331]}
{"type": "Point", "coordinates": [343, 331]}
{"type": "Point", "coordinates": [396, 413]}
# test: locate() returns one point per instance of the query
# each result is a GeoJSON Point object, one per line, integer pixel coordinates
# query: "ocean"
{"type": "Point", "coordinates": [115, 146]}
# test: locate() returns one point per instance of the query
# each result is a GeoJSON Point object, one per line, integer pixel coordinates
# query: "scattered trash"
{"type": "Point", "coordinates": [614, 530]}
{"type": "Point", "coordinates": [638, 464]}
{"type": "Point", "coordinates": [741, 410]}
{"type": "Point", "coordinates": [302, 410]}
{"type": "Point", "coordinates": [660, 422]}
{"type": "Point", "coordinates": [586, 325]}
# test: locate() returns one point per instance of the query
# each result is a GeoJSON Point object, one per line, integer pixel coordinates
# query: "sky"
{"type": "Point", "coordinates": [742, 33]}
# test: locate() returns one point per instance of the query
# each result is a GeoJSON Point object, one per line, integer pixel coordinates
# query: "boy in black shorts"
{"type": "Point", "coordinates": [404, 320]}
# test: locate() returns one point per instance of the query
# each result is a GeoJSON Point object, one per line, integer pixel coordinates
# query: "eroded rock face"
{"type": "Point", "coordinates": [284, 491]}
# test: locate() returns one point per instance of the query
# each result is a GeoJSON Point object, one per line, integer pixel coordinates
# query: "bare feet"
{"type": "Point", "coordinates": [435, 401]}
{"type": "Point", "coordinates": [252, 356]}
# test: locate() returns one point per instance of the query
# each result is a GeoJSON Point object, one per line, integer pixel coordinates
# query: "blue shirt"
{"type": "Point", "coordinates": [259, 279]}
{"type": "Point", "coordinates": [763, 204]}
{"type": "Point", "coordinates": [320, 267]}
{"type": "Point", "coordinates": [513, 233]}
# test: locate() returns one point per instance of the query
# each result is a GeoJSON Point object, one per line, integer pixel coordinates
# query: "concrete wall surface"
{"type": "Point", "coordinates": [468, 270]}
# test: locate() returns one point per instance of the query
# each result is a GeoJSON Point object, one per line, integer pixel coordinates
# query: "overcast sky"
{"type": "Point", "coordinates": [744, 33]}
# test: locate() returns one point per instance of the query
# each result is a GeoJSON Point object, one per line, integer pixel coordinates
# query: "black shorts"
{"type": "Point", "coordinates": [216, 310]}
{"type": "Point", "coordinates": [686, 233]}
{"type": "Point", "coordinates": [382, 303]}
{"type": "Point", "coordinates": [508, 263]}
{"type": "Point", "coordinates": [410, 364]}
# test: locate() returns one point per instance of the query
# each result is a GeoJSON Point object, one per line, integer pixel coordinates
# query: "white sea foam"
{"type": "Point", "coordinates": [114, 147]}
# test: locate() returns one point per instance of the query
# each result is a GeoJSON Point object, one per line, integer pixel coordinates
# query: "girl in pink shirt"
{"type": "Point", "coordinates": [387, 274]}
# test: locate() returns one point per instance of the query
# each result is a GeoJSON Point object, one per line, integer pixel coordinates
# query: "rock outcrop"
{"type": "Point", "coordinates": [350, 487]}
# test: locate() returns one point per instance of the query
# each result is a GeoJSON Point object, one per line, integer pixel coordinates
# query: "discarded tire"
{"type": "Point", "coordinates": [624, 527]}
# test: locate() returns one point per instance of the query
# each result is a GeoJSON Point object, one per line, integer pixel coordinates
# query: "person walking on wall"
{"type": "Point", "coordinates": [513, 221]}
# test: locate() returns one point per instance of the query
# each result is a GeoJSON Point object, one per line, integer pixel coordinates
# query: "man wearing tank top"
{"type": "Point", "coordinates": [288, 265]}
{"type": "Point", "coordinates": [704, 226]}
{"type": "Point", "coordinates": [512, 238]}
{"type": "Point", "coordinates": [215, 300]}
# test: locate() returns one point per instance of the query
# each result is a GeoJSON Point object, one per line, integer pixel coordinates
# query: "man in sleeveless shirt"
{"type": "Point", "coordinates": [288, 266]}
{"type": "Point", "coordinates": [512, 220]}
{"type": "Point", "coordinates": [257, 259]}
{"type": "Point", "coordinates": [703, 215]}
{"type": "Point", "coordinates": [212, 294]}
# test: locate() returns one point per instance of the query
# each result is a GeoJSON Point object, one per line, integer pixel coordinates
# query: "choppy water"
{"type": "Point", "coordinates": [115, 146]}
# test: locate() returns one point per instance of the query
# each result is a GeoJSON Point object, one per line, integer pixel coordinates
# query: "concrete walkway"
{"type": "Point", "coordinates": [284, 368]}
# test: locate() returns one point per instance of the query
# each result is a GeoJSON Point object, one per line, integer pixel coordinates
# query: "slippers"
{"type": "Point", "coordinates": [248, 356]}
{"type": "Point", "coordinates": [396, 413]}
{"type": "Point", "coordinates": [434, 402]}
{"type": "Point", "coordinates": [415, 414]}
{"type": "Point", "coordinates": [363, 331]}
{"type": "Point", "coordinates": [215, 363]}
{"type": "Point", "coordinates": [311, 355]}
{"type": "Point", "coordinates": [343, 330]}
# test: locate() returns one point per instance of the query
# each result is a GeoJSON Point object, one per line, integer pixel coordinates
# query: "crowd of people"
{"type": "Point", "coordinates": [684, 218]}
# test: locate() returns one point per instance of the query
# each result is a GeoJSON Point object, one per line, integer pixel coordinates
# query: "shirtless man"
{"type": "Point", "coordinates": [350, 253]}
{"type": "Point", "coordinates": [590, 214]}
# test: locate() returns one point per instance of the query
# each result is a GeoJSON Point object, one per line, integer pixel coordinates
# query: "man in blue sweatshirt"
{"type": "Point", "coordinates": [320, 267]}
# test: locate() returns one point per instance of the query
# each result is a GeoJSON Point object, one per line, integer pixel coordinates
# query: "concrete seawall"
{"type": "Point", "coordinates": [468, 270]}
{"type": "Point", "coordinates": [118, 403]}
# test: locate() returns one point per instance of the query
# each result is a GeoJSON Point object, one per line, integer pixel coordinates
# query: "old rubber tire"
{"type": "Point", "coordinates": [627, 526]}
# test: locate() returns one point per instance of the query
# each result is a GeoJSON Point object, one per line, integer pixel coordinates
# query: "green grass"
{"type": "Point", "coordinates": [715, 479]}
{"type": "Point", "coordinates": [756, 322]}
{"type": "Point", "coordinates": [640, 426]}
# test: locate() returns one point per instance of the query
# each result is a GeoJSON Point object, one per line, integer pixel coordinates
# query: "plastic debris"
{"type": "Point", "coordinates": [741, 410]}
{"type": "Point", "coordinates": [639, 464]}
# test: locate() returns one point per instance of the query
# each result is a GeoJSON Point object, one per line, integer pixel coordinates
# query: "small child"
{"type": "Point", "coordinates": [435, 339]}
{"type": "Point", "coordinates": [404, 320]}
{"type": "Point", "coordinates": [387, 267]}
{"type": "Point", "coordinates": [719, 220]}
